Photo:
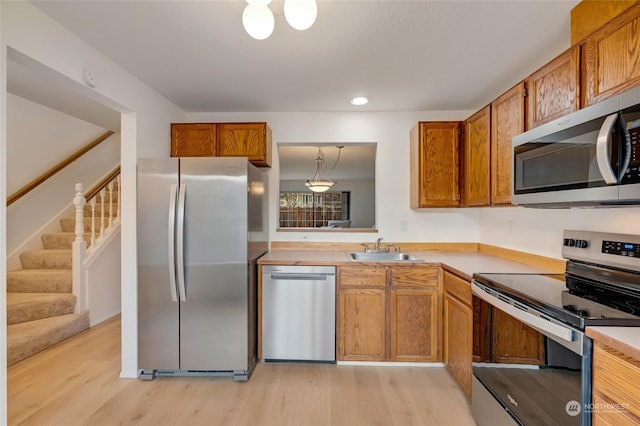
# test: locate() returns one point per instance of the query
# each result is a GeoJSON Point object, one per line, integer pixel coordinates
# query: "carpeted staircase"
{"type": "Point", "coordinates": [40, 303]}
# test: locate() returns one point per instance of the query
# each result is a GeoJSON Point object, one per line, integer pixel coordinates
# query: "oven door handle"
{"type": "Point", "coordinates": [534, 321]}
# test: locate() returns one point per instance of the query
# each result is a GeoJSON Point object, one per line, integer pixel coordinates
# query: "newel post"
{"type": "Point", "coordinates": [79, 250]}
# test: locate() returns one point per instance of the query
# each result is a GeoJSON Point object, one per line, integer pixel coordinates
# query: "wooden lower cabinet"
{"type": "Point", "coordinates": [457, 326]}
{"type": "Point", "coordinates": [388, 313]}
{"type": "Point", "coordinates": [361, 324]}
{"type": "Point", "coordinates": [616, 397]}
{"type": "Point", "coordinates": [414, 324]}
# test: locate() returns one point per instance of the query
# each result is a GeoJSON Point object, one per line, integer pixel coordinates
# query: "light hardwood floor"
{"type": "Point", "coordinates": [76, 383]}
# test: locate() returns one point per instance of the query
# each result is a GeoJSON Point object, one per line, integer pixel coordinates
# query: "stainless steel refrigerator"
{"type": "Point", "coordinates": [201, 229]}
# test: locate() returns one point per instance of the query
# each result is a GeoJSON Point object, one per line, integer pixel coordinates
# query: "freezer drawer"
{"type": "Point", "coordinates": [299, 313]}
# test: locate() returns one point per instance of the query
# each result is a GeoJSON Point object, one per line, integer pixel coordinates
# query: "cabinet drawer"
{"type": "Point", "coordinates": [414, 277]}
{"type": "Point", "coordinates": [607, 413]}
{"type": "Point", "coordinates": [369, 277]}
{"type": "Point", "coordinates": [457, 287]}
{"type": "Point", "coordinates": [615, 378]}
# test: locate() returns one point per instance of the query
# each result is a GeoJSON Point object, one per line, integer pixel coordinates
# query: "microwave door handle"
{"type": "Point", "coordinates": [627, 149]}
{"type": "Point", "coordinates": [602, 150]}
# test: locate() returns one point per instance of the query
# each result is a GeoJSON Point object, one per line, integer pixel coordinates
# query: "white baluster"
{"type": "Point", "coordinates": [79, 202]}
{"type": "Point", "coordinates": [119, 192]}
{"type": "Point", "coordinates": [110, 204]}
{"type": "Point", "coordinates": [93, 221]}
{"type": "Point", "coordinates": [79, 251]}
{"type": "Point", "coordinates": [102, 195]}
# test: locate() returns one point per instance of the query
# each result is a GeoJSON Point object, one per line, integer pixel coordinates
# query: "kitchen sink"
{"type": "Point", "coordinates": [382, 257]}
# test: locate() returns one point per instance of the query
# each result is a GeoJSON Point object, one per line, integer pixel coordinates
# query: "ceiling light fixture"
{"type": "Point", "coordinates": [359, 100]}
{"type": "Point", "coordinates": [300, 14]}
{"type": "Point", "coordinates": [258, 20]}
{"type": "Point", "coordinates": [318, 183]}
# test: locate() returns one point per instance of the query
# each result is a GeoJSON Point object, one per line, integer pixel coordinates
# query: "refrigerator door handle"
{"type": "Point", "coordinates": [171, 243]}
{"type": "Point", "coordinates": [180, 242]}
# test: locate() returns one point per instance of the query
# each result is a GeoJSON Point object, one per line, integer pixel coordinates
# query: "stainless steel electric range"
{"type": "Point", "coordinates": [601, 287]}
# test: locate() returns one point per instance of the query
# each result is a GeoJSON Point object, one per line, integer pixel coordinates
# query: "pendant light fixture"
{"type": "Point", "coordinates": [259, 22]}
{"type": "Point", "coordinates": [320, 182]}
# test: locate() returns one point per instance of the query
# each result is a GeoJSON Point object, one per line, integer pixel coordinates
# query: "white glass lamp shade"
{"type": "Point", "coordinates": [319, 185]}
{"type": "Point", "coordinates": [258, 21]}
{"type": "Point", "coordinates": [300, 14]}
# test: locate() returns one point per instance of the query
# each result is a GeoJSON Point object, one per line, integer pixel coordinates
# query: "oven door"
{"type": "Point", "coordinates": [578, 159]}
{"type": "Point", "coordinates": [554, 393]}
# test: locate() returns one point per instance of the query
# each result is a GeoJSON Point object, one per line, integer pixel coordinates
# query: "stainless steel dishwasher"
{"type": "Point", "coordinates": [299, 313]}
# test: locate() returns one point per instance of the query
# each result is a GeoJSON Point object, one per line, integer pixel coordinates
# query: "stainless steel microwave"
{"type": "Point", "coordinates": [588, 158]}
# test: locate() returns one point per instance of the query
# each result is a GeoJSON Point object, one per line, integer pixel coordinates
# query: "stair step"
{"type": "Point", "coordinates": [39, 281]}
{"type": "Point", "coordinates": [46, 259]}
{"type": "Point", "coordinates": [68, 224]}
{"type": "Point", "coordinates": [61, 240]}
{"type": "Point", "coordinates": [25, 307]}
{"type": "Point", "coordinates": [28, 338]}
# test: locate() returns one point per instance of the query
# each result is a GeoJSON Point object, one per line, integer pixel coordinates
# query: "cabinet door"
{"type": "Point", "coordinates": [414, 324]}
{"type": "Point", "coordinates": [456, 352]}
{"type": "Point", "coordinates": [361, 324]}
{"type": "Point", "coordinates": [481, 330]}
{"type": "Point", "coordinates": [507, 120]}
{"type": "Point", "coordinates": [193, 140]}
{"type": "Point", "coordinates": [615, 381]}
{"type": "Point", "coordinates": [552, 91]}
{"type": "Point", "coordinates": [612, 57]}
{"type": "Point", "coordinates": [245, 140]}
{"type": "Point", "coordinates": [434, 164]}
{"type": "Point", "coordinates": [476, 185]}
{"type": "Point", "coordinates": [513, 342]}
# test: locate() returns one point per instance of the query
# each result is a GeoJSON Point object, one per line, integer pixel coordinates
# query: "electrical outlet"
{"type": "Point", "coordinates": [403, 225]}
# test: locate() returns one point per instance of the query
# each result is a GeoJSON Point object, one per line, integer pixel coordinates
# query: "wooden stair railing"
{"type": "Point", "coordinates": [55, 169]}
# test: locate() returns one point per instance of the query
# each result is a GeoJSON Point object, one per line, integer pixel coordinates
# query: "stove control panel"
{"type": "Point", "coordinates": [621, 248]}
{"type": "Point", "coordinates": [602, 248]}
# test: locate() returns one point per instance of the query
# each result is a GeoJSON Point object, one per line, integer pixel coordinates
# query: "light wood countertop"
{"type": "Point", "coordinates": [623, 339]}
{"type": "Point", "coordinates": [464, 264]}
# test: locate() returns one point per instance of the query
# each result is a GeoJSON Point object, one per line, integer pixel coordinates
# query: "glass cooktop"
{"type": "Point", "coordinates": [569, 300]}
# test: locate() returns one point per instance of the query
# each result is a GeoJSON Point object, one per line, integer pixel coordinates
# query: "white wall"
{"type": "Point", "coordinates": [54, 136]}
{"type": "Point", "coordinates": [32, 38]}
{"type": "Point", "coordinates": [32, 128]}
{"type": "Point", "coordinates": [103, 294]}
{"type": "Point", "coordinates": [391, 133]}
{"type": "Point", "coordinates": [539, 231]}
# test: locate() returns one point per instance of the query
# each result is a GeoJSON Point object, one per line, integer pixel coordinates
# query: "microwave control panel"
{"type": "Point", "coordinates": [632, 175]}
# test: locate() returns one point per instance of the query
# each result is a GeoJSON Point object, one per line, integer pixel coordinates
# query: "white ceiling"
{"type": "Point", "coordinates": [355, 161]}
{"type": "Point", "coordinates": [403, 55]}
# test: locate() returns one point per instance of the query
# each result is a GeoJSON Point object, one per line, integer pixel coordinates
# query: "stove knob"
{"type": "Point", "coordinates": [569, 242]}
{"type": "Point", "coordinates": [582, 243]}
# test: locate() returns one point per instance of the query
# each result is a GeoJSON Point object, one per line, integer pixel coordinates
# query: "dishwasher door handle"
{"type": "Point", "coordinates": [300, 277]}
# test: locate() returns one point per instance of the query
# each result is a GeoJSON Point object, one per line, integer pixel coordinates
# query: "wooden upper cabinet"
{"type": "Point", "coordinates": [476, 159]}
{"type": "Point", "coordinates": [507, 121]}
{"type": "Point", "coordinates": [553, 90]}
{"type": "Point", "coordinates": [434, 164]}
{"type": "Point", "coordinates": [611, 57]}
{"type": "Point", "coordinates": [193, 140]}
{"type": "Point", "coordinates": [251, 140]}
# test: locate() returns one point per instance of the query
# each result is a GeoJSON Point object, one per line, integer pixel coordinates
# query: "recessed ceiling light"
{"type": "Point", "coordinates": [360, 100]}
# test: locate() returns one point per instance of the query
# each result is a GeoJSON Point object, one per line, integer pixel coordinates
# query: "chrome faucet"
{"type": "Point", "coordinates": [377, 246]}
